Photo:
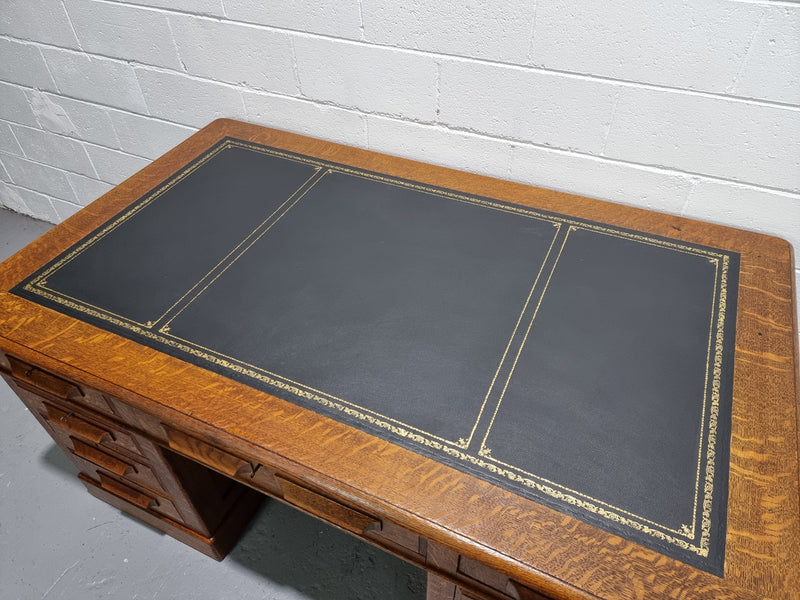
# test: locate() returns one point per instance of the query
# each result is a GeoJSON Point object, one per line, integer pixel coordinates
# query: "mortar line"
{"type": "Point", "coordinates": [71, 25]}
{"type": "Point", "coordinates": [456, 57]}
{"type": "Point", "coordinates": [521, 142]}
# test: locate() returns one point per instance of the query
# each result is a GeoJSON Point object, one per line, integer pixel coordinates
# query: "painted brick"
{"type": "Point", "coordinates": [10, 198]}
{"type": "Point", "coordinates": [771, 68]}
{"type": "Point", "coordinates": [186, 100]}
{"type": "Point", "coordinates": [73, 118]}
{"type": "Point", "coordinates": [711, 136]}
{"type": "Point", "coordinates": [39, 177]}
{"type": "Point", "coordinates": [54, 150]}
{"type": "Point", "coordinates": [601, 179]}
{"type": "Point", "coordinates": [87, 189]}
{"type": "Point", "coordinates": [439, 146]}
{"type": "Point", "coordinates": [49, 115]}
{"type": "Point", "coordinates": [28, 202]}
{"type": "Point", "coordinates": [113, 166]}
{"type": "Point", "coordinates": [14, 105]}
{"type": "Point", "coordinates": [666, 43]}
{"type": "Point", "coordinates": [774, 213]}
{"type": "Point", "coordinates": [339, 18]}
{"type": "Point", "coordinates": [95, 79]}
{"type": "Point", "coordinates": [239, 54]}
{"type": "Point", "coordinates": [145, 136]}
{"type": "Point", "coordinates": [498, 31]}
{"type": "Point", "coordinates": [23, 64]}
{"type": "Point", "coordinates": [371, 79]}
{"type": "Point", "coordinates": [526, 105]}
{"type": "Point", "coordinates": [308, 118]}
{"type": "Point", "coordinates": [202, 7]}
{"type": "Point", "coordinates": [38, 20]}
{"type": "Point", "coordinates": [126, 32]}
{"type": "Point", "coordinates": [64, 210]}
{"type": "Point", "coordinates": [8, 141]}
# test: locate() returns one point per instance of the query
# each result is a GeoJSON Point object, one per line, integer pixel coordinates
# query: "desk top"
{"type": "Point", "coordinates": [520, 374]}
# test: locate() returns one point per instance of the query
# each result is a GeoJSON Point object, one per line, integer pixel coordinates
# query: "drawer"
{"type": "Point", "coordinates": [42, 382]}
{"type": "Point", "coordinates": [216, 545]}
{"type": "Point", "coordinates": [487, 576]}
{"type": "Point", "coordinates": [45, 383]}
{"type": "Point", "coordinates": [144, 499]}
{"type": "Point", "coordinates": [87, 427]}
{"type": "Point", "coordinates": [97, 401]}
{"type": "Point", "coordinates": [89, 458]}
{"type": "Point", "coordinates": [399, 541]}
{"type": "Point", "coordinates": [211, 456]}
{"type": "Point", "coordinates": [328, 509]}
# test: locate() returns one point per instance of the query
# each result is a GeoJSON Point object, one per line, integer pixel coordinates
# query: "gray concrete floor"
{"type": "Point", "coordinates": [58, 542]}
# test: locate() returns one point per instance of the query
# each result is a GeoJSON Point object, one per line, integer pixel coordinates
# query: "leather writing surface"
{"type": "Point", "coordinates": [581, 365]}
{"type": "Point", "coordinates": [166, 246]}
{"type": "Point", "coordinates": [612, 390]}
{"type": "Point", "coordinates": [401, 331]}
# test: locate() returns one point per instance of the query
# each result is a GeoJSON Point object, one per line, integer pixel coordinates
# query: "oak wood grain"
{"type": "Point", "coordinates": [538, 547]}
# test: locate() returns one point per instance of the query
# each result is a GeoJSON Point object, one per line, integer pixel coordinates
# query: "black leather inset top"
{"type": "Point", "coordinates": [581, 365]}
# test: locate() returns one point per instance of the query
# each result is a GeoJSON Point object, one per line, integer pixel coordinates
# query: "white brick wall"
{"type": "Point", "coordinates": [336, 18]}
{"type": "Point", "coordinates": [73, 118]}
{"type": "Point", "coordinates": [497, 31]}
{"type": "Point", "coordinates": [95, 79]}
{"type": "Point", "coordinates": [24, 64]}
{"type": "Point", "coordinates": [37, 20]}
{"type": "Point", "coordinates": [244, 55]}
{"type": "Point", "coordinates": [687, 107]}
{"type": "Point", "coordinates": [116, 30]}
{"type": "Point", "coordinates": [572, 113]}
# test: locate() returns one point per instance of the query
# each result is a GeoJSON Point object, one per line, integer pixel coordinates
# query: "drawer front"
{"type": "Point", "coordinates": [91, 458]}
{"type": "Point", "coordinates": [399, 541]}
{"type": "Point", "coordinates": [142, 498]}
{"type": "Point", "coordinates": [43, 382]}
{"type": "Point", "coordinates": [97, 401]}
{"type": "Point", "coordinates": [47, 384]}
{"type": "Point", "coordinates": [88, 427]}
{"type": "Point", "coordinates": [205, 453]}
{"type": "Point", "coordinates": [326, 508]}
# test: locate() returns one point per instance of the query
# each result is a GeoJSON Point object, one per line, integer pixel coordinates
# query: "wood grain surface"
{"type": "Point", "coordinates": [535, 546]}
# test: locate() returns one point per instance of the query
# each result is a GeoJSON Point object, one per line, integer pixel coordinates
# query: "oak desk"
{"type": "Point", "coordinates": [527, 393]}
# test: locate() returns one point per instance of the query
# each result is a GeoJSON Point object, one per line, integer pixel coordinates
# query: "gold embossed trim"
{"type": "Point", "coordinates": [157, 330]}
{"type": "Point", "coordinates": [685, 537]}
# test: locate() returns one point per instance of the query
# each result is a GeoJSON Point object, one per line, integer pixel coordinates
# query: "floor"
{"type": "Point", "coordinates": [58, 542]}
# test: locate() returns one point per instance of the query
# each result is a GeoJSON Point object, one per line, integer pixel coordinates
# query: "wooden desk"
{"type": "Point", "coordinates": [164, 437]}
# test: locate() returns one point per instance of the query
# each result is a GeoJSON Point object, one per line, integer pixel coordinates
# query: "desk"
{"type": "Point", "coordinates": [501, 384]}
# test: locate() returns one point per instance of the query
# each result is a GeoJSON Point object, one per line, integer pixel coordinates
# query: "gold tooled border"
{"type": "Point", "coordinates": [618, 514]}
{"type": "Point", "coordinates": [455, 449]}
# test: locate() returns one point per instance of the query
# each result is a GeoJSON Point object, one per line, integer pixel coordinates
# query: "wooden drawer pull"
{"type": "Point", "coordinates": [126, 492]}
{"type": "Point", "coordinates": [47, 382]}
{"type": "Point", "coordinates": [207, 454]}
{"type": "Point", "coordinates": [76, 425]}
{"type": "Point", "coordinates": [101, 459]}
{"type": "Point", "coordinates": [326, 508]}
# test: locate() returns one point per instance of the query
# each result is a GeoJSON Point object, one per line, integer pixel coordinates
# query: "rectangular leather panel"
{"type": "Point", "coordinates": [584, 366]}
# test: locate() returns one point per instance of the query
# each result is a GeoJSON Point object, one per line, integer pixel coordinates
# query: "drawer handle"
{"type": "Point", "coordinates": [42, 380]}
{"type": "Point", "coordinates": [326, 508]}
{"type": "Point", "coordinates": [231, 465]}
{"type": "Point", "coordinates": [126, 492]}
{"type": "Point", "coordinates": [70, 421]}
{"type": "Point", "coordinates": [101, 459]}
